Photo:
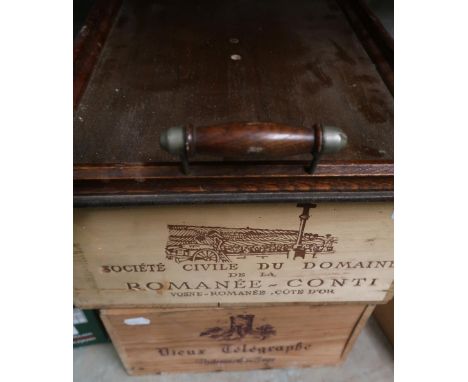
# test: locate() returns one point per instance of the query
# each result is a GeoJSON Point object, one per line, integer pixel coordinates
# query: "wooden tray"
{"type": "Point", "coordinates": [144, 66]}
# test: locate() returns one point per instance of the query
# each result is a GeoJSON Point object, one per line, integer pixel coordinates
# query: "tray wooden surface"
{"type": "Point", "coordinates": [168, 63]}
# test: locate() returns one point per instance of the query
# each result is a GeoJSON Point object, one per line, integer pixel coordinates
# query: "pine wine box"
{"type": "Point", "coordinates": [151, 341]}
{"type": "Point", "coordinates": [227, 254]}
{"type": "Point", "coordinates": [232, 153]}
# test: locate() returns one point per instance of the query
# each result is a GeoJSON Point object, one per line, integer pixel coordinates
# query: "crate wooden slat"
{"type": "Point", "coordinates": [220, 339]}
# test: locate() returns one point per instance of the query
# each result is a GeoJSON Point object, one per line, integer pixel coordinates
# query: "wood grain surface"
{"type": "Point", "coordinates": [89, 43]}
{"type": "Point", "coordinates": [151, 341]}
{"type": "Point", "coordinates": [206, 62]}
{"type": "Point", "coordinates": [251, 139]}
{"type": "Point", "coordinates": [373, 36]}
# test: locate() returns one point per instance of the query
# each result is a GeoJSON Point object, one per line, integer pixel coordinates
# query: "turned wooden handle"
{"type": "Point", "coordinates": [252, 139]}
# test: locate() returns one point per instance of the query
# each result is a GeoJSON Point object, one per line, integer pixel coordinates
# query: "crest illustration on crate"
{"type": "Point", "coordinates": [240, 326]}
{"type": "Point", "coordinates": [220, 244]}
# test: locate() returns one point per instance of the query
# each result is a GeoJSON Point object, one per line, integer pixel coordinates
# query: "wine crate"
{"type": "Point", "coordinates": [220, 339]}
{"type": "Point", "coordinates": [162, 256]}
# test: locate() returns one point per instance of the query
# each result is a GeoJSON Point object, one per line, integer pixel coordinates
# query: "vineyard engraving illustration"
{"type": "Point", "coordinates": [220, 244]}
{"type": "Point", "coordinates": [240, 327]}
